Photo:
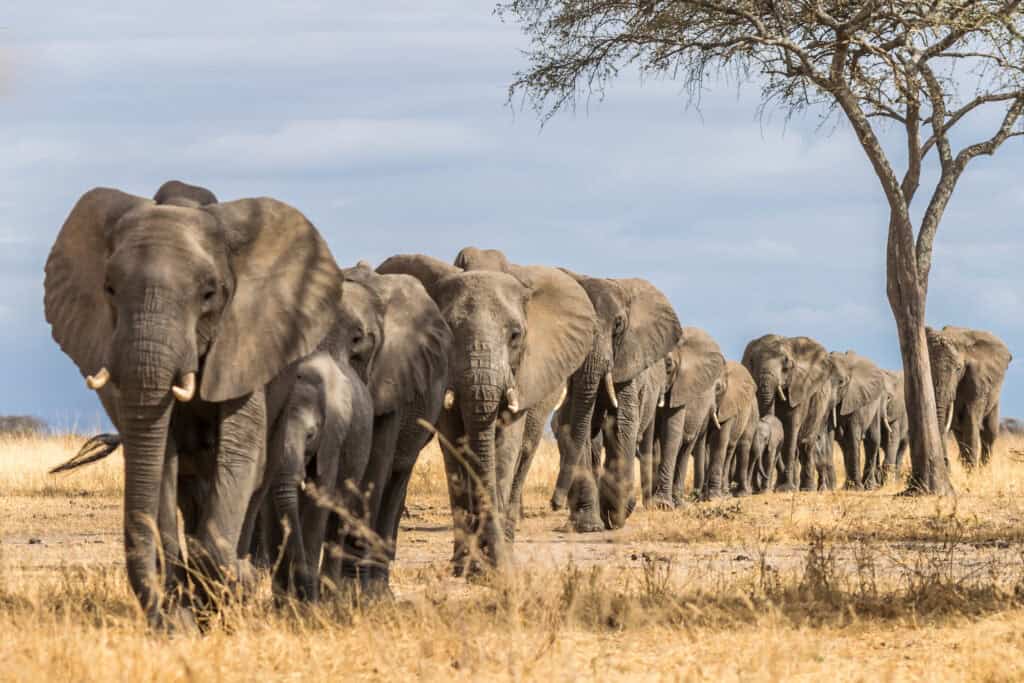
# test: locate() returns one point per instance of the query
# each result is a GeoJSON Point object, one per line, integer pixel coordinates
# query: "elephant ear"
{"type": "Point", "coordinates": [74, 301]}
{"type": "Point", "coordinates": [472, 258]}
{"type": "Point", "coordinates": [427, 269]}
{"type": "Point", "coordinates": [867, 383]}
{"type": "Point", "coordinates": [699, 362]}
{"type": "Point", "coordinates": [560, 328]}
{"type": "Point", "coordinates": [987, 358]}
{"type": "Point", "coordinates": [415, 343]}
{"type": "Point", "coordinates": [652, 332]}
{"type": "Point", "coordinates": [740, 393]}
{"type": "Point", "coordinates": [810, 368]}
{"type": "Point", "coordinates": [286, 287]}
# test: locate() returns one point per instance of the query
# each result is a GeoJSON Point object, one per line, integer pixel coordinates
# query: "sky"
{"type": "Point", "coordinates": [388, 125]}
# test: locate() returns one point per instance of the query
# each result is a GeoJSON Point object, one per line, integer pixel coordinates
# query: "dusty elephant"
{"type": "Point", "coordinates": [652, 384]}
{"type": "Point", "coordinates": [895, 428]}
{"type": "Point", "coordinates": [765, 452]}
{"type": "Point", "coordinates": [731, 435]}
{"type": "Point", "coordinates": [155, 304]}
{"type": "Point", "coordinates": [968, 368]}
{"type": "Point", "coordinates": [857, 416]}
{"type": "Point", "coordinates": [518, 335]}
{"type": "Point", "coordinates": [792, 376]}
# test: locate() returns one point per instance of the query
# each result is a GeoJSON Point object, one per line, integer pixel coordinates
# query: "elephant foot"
{"type": "Point", "coordinates": [713, 494]}
{"type": "Point", "coordinates": [174, 621]}
{"type": "Point", "coordinates": [558, 501]}
{"type": "Point", "coordinates": [871, 484]}
{"type": "Point", "coordinates": [852, 485]}
{"type": "Point", "coordinates": [741, 493]}
{"type": "Point", "coordinates": [785, 487]}
{"type": "Point", "coordinates": [587, 525]}
{"type": "Point", "coordinates": [660, 503]}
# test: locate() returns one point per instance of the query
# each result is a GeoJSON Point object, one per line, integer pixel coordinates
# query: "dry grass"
{"type": "Point", "coordinates": [846, 586]}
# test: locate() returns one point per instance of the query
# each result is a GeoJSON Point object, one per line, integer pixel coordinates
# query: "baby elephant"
{"type": "Point", "coordinates": [765, 452]}
{"type": "Point", "coordinates": [323, 437]}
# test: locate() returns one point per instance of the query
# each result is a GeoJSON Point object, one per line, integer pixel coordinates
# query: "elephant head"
{"type": "Point", "coordinates": [791, 369]}
{"type": "Point", "coordinates": [695, 366]}
{"type": "Point", "coordinates": [472, 258]}
{"type": "Point", "coordinates": [392, 334]}
{"type": "Point", "coordinates": [958, 353]}
{"type": "Point", "coordinates": [895, 407]}
{"type": "Point", "coordinates": [182, 194]}
{"type": "Point", "coordinates": [858, 382]}
{"type": "Point", "coordinates": [160, 304]}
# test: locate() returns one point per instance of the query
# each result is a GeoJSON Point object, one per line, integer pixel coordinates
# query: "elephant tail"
{"type": "Point", "coordinates": [96, 448]}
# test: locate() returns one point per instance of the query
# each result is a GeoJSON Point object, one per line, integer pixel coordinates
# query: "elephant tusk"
{"type": "Point", "coordinates": [561, 398]}
{"type": "Point", "coordinates": [661, 400]}
{"type": "Point", "coordinates": [782, 394]}
{"type": "Point", "coordinates": [187, 391]}
{"type": "Point", "coordinates": [835, 418]}
{"type": "Point", "coordinates": [949, 419]}
{"type": "Point", "coordinates": [714, 418]}
{"type": "Point", "coordinates": [609, 385]}
{"type": "Point", "coordinates": [99, 380]}
{"type": "Point", "coordinates": [449, 399]}
{"type": "Point", "coordinates": [512, 398]}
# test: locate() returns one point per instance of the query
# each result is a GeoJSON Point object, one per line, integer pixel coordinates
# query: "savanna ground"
{"type": "Point", "coordinates": [838, 586]}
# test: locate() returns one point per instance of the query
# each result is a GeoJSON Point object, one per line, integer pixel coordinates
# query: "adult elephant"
{"type": "Point", "coordinates": [636, 328]}
{"type": "Point", "coordinates": [391, 332]}
{"type": "Point", "coordinates": [696, 382]}
{"type": "Point", "coordinates": [792, 375]}
{"type": "Point", "coordinates": [518, 335]}
{"type": "Point", "coordinates": [179, 316]}
{"type": "Point", "coordinates": [652, 383]}
{"type": "Point", "coordinates": [895, 427]}
{"type": "Point", "coordinates": [968, 368]}
{"type": "Point", "coordinates": [857, 415]}
{"type": "Point", "coordinates": [732, 433]}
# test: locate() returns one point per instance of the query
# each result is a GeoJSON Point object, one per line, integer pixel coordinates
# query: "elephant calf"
{"type": "Point", "coordinates": [765, 452]}
{"type": "Point", "coordinates": [322, 437]}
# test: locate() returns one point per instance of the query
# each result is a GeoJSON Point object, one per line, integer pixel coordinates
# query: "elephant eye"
{"type": "Point", "coordinates": [620, 324]}
{"type": "Point", "coordinates": [515, 337]}
{"type": "Point", "coordinates": [108, 289]}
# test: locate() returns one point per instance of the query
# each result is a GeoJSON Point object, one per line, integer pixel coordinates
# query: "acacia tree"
{"type": "Point", "coordinates": [919, 68]}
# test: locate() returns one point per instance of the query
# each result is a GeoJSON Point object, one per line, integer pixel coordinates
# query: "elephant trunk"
{"type": "Point", "coordinates": [292, 571]}
{"type": "Point", "coordinates": [767, 388]}
{"type": "Point", "coordinates": [586, 383]}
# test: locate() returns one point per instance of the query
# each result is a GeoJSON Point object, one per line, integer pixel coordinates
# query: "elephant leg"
{"type": "Point", "coordinates": [646, 454]}
{"type": "Point", "coordinates": [389, 520]}
{"type": "Point", "coordinates": [363, 550]}
{"type": "Point", "coordinates": [241, 457]}
{"type": "Point", "coordinates": [672, 426]}
{"type": "Point", "coordinates": [700, 464]}
{"type": "Point", "coordinates": [719, 445]}
{"type": "Point", "coordinates": [532, 434]}
{"type": "Point", "coordinates": [850, 442]}
{"type": "Point", "coordinates": [743, 473]}
{"type": "Point", "coordinates": [584, 511]}
{"type": "Point", "coordinates": [616, 496]}
{"type": "Point", "coordinates": [901, 452]}
{"type": "Point", "coordinates": [872, 447]}
{"type": "Point", "coordinates": [788, 474]}
{"type": "Point", "coordinates": [459, 492]}
{"type": "Point", "coordinates": [891, 445]}
{"type": "Point", "coordinates": [989, 432]}
{"type": "Point", "coordinates": [969, 439]}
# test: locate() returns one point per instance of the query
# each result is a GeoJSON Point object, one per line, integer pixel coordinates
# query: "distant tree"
{"type": "Point", "coordinates": [21, 425]}
{"type": "Point", "coordinates": [921, 67]}
{"type": "Point", "coordinates": [1011, 425]}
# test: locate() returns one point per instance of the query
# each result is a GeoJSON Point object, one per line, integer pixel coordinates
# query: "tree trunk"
{"type": "Point", "coordinates": [907, 295]}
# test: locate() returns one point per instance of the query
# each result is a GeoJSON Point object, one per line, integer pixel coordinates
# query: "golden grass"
{"type": "Point", "coordinates": [844, 586]}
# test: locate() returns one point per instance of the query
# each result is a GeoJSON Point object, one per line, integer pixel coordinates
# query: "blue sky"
{"type": "Point", "coordinates": [389, 129]}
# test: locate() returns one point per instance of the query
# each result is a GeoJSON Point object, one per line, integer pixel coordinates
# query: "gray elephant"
{"type": "Point", "coordinates": [392, 334]}
{"type": "Point", "coordinates": [793, 382]}
{"type": "Point", "coordinates": [731, 435]}
{"type": "Point", "coordinates": [652, 383]}
{"type": "Point", "coordinates": [323, 437]}
{"type": "Point", "coordinates": [895, 427]}
{"type": "Point", "coordinates": [857, 416]}
{"type": "Point", "coordinates": [518, 335]}
{"type": "Point", "coordinates": [636, 328]}
{"type": "Point", "coordinates": [824, 462]}
{"type": "Point", "coordinates": [968, 368]}
{"type": "Point", "coordinates": [765, 452]}
{"type": "Point", "coordinates": [157, 305]}
{"type": "Point", "coordinates": [696, 383]}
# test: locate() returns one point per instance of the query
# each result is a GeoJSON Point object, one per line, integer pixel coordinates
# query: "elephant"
{"type": "Point", "coordinates": [392, 334]}
{"type": "Point", "coordinates": [731, 434]}
{"type": "Point", "coordinates": [637, 327]}
{"type": "Point", "coordinates": [178, 193]}
{"type": "Point", "coordinates": [792, 376]}
{"type": "Point", "coordinates": [652, 384]}
{"type": "Point", "coordinates": [895, 427]}
{"type": "Point", "coordinates": [323, 435]}
{"type": "Point", "coordinates": [696, 383]}
{"type": "Point", "coordinates": [856, 415]}
{"type": "Point", "coordinates": [824, 461]}
{"type": "Point", "coordinates": [968, 368]}
{"type": "Point", "coordinates": [765, 452]}
{"type": "Point", "coordinates": [179, 317]}
{"type": "Point", "coordinates": [518, 335]}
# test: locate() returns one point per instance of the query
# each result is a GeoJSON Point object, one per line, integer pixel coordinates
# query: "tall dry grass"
{"type": "Point", "coordinates": [882, 587]}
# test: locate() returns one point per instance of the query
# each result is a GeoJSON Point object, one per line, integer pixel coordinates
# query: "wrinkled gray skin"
{"type": "Point", "coordinates": [390, 331]}
{"type": "Point", "coordinates": [322, 437]}
{"type": "Point", "coordinates": [792, 375]}
{"type": "Point", "coordinates": [696, 382]}
{"type": "Point", "coordinates": [518, 335]}
{"type": "Point", "coordinates": [857, 416]}
{"type": "Point", "coordinates": [765, 452]}
{"type": "Point", "coordinates": [145, 295]}
{"type": "Point", "coordinates": [652, 383]}
{"type": "Point", "coordinates": [824, 461]}
{"type": "Point", "coordinates": [895, 428]}
{"type": "Point", "coordinates": [730, 438]}
{"type": "Point", "coordinates": [968, 368]}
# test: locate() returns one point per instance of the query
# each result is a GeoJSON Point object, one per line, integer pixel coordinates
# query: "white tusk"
{"type": "Point", "coordinates": [99, 380]}
{"type": "Point", "coordinates": [561, 399]}
{"type": "Point", "coordinates": [661, 400]}
{"type": "Point", "coordinates": [714, 418]}
{"type": "Point", "coordinates": [449, 399]}
{"type": "Point", "coordinates": [835, 417]}
{"type": "Point", "coordinates": [609, 384]}
{"type": "Point", "coordinates": [949, 419]}
{"type": "Point", "coordinates": [512, 398]}
{"type": "Point", "coordinates": [187, 391]}
{"type": "Point", "coordinates": [782, 394]}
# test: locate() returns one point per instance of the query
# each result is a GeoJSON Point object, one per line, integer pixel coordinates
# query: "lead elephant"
{"type": "Point", "coordinates": [857, 416]}
{"type": "Point", "coordinates": [895, 427]}
{"type": "Point", "coordinates": [158, 306]}
{"type": "Point", "coordinates": [518, 335]}
{"type": "Point", "coordinates": [792, 376]}
{"type": "Point", "coordinates": [696, 382]}
{"type": "Point", "coordinates": [968, 368]}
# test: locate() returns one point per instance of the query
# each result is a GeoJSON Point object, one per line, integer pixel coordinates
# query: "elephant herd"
{"type": "Point", "coordinates": [276, 403]}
